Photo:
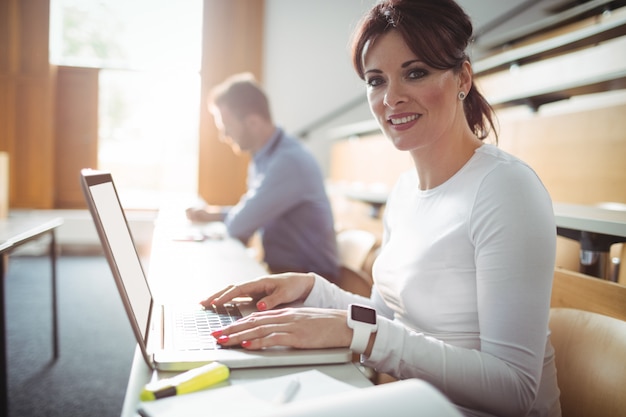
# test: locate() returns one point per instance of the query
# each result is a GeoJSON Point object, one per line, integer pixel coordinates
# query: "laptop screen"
{"type": "Point", "coordinates": [115, 235]}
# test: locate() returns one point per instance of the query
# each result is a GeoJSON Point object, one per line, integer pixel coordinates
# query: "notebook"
{"type": "Point", "coordinates": [154, 325]}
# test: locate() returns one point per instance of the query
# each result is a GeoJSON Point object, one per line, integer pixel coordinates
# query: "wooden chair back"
{"type": "Point", "coordinates": [588, 333]}
{"type": "Point", "coordinates": [357, 282]}
{"type": "Point", "coordinates": [575, 290]}
{"type": "Point", "coordinates": [354, 246]}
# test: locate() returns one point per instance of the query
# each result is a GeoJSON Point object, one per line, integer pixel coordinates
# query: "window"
{"type": "Point", "coordinates": [149, 53]}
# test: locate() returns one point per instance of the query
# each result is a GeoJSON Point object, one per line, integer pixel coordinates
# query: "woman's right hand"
{"type": "Point", "coordinates": [268, 291]}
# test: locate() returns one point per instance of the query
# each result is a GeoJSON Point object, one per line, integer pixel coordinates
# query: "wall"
{"type": "Point", "coordinates": [26, 102]}
{"type": "Point", "coordinates": [307, 67]}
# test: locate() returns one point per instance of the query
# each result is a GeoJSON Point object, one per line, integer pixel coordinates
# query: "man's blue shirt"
{"type": "Point", "coordinates": [287, 202]}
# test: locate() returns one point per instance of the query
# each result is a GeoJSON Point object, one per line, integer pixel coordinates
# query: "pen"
{"type": "Point", "coordinates": [190, 381]}
{"type": "Point", "coordinates": [288, 393]}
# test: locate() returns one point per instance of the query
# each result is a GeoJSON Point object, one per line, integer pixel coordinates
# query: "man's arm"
{"type": "Point", "coordinates": [207, 213]}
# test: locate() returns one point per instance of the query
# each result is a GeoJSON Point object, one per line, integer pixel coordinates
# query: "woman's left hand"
{"type": "Point", "coordinates": [302, 328]}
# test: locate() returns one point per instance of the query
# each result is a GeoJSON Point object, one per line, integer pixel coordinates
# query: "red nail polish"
{"type": "Point", "coordinates": [223, 339]}
{"type": "Point", "coordinates": [261, 306]}
{"type": "Point", "coordinates": [246, 343]}
{"type": "Point", "coordinates": [216, 333]}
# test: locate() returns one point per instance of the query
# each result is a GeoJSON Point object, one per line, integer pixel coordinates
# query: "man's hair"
{"type": "Point", "coordinates": [242, 95]}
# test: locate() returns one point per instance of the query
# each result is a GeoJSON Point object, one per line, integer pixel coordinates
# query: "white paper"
{"type": "Point", "coordinates": [318, 395]}
{"type": "Point", "coordinates": [406, 398]}
{"type": "Point", "coordinates": [245, 398]}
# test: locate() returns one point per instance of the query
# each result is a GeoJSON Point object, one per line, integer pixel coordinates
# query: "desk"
{"type": "Point", "coordinates": [376, 199]}
{"type": "Point", "coordinates": [16, 230]}
{"type": "Point", "coordinates": [141, 374]}
{"type": "Point", "coordinates": [185, 271]}
{"type": "Point", "coordinates": [596, 229]}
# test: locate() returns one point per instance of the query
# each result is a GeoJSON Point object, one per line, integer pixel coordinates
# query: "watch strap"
{"type": "Point", "coordinates": [360, 339]}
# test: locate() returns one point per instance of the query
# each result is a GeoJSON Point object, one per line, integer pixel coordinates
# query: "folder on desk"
{"type": "Point", "coordinates": [154, 325]}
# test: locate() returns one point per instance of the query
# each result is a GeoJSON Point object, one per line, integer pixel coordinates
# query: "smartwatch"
{"type": "Point", "coordinates": [362, 320]}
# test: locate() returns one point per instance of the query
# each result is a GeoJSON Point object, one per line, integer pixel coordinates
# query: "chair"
{"type": "Point", "coordinates": [357, 282]}
{"type": "Point", "coordinates": [354, 246]}
{"type": "Point", "coordinates": [575, 290]}
{"type": "Point", "coordinates": [618, 250]}
{"type": "Point", "coordinates": [588, 333]}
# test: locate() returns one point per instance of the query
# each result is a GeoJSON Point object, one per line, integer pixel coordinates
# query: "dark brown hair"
{"type": "Point", "coordinates": [438, 32]}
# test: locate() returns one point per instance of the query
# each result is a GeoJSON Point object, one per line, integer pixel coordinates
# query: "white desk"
{"type": "Point", "coordinates": [376, 199]}
{"type": "Point", "coordinates": [596, 229]}
{"type": "Point", "coordinates": [591, 219]}
{"type": "Point", "coordinates": [18, 229]}
{"type": "Point", "coordinates": [189, 271]}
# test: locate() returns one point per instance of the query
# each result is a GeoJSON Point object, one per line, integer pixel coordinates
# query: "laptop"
{"type": "Point", "coordinates": [163, 341]}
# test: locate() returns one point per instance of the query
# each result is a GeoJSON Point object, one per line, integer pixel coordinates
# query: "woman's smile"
{"type": "Point", "coordinates": [403, 121]}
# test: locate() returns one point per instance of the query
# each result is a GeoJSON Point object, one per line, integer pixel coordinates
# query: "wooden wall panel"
{"type": "Point", "coordinates": [76, 132]}
{"type": "Point", "coordinates": [579, 155]}
{"type": "Point", "coordinates": [26, 94]}
{"type": "Point", "coordinates": [222, 174]}
{"type": "Point", "coordinates": [378, 161]}
{"type": "Point", "coordinates": [33, 32]}
{"type": "Point", "coordinates": [32, 158]}
{"type": "Point", "coordinates": [8, 27]}
{"type": "Point", "coordinates": [7, 112]}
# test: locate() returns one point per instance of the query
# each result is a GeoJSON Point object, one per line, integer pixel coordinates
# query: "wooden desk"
{"type": "Point", "coordinates": [16, 230]}
{"type": "Point", "coordinates": [596, 229]}
{"type": "Point", "coordinates": [189, 270]}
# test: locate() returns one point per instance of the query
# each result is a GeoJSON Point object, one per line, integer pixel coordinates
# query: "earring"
{"type": "Point", "coordinates": [462, 95]}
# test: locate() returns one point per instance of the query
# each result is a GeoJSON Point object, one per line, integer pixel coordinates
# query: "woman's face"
{"type": "Point", "coordinates": [415, 105]}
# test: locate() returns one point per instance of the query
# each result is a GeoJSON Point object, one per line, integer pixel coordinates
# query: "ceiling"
{"type": "Point", "coordinates": [498, 22]}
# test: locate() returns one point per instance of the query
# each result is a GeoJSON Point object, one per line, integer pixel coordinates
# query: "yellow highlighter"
{"type": "Point", "coordinates": [189, 381]}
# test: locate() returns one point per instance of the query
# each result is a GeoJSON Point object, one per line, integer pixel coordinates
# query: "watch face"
{"type": "Point", "coordinates": [363, 314]}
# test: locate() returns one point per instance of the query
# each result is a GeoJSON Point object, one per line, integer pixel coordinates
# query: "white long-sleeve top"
{"type": "Point", "coordinates": [462, 288]}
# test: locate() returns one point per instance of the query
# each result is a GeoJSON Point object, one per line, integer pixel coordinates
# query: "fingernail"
{"type": "Point", "coordinates": [216, 333]}
{"type": "Point", "coordinates": [261, 306]}
{"type": "Point", "coordinates": [246, 343]}
{"type": "Point", "coordinates": [223, 339]}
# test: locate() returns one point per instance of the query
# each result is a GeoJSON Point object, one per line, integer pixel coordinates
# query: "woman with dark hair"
{"type": "Point", "coordinates": [462, 284]}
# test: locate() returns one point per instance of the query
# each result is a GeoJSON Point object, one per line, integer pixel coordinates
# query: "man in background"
{"type": "Point", "coordinates": [286, 200]}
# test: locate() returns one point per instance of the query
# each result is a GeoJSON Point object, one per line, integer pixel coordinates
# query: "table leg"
{"type": "Point", "coordinates": [4, 386]}
{"type": "Point", "coordinates": [55, 318]}
{"type": "Point", "coordinates": [594, 250]}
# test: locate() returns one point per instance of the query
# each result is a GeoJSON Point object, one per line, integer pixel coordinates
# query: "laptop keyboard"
{"type": "Point", "coordinates": [194, 327]}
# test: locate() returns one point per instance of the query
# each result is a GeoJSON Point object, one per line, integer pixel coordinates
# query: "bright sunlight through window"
{"type": "Point", "coordinates": [149, 55]}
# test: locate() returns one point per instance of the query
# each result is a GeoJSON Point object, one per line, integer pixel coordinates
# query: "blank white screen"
{"type": "Point", "coordinates": [123, 250]}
